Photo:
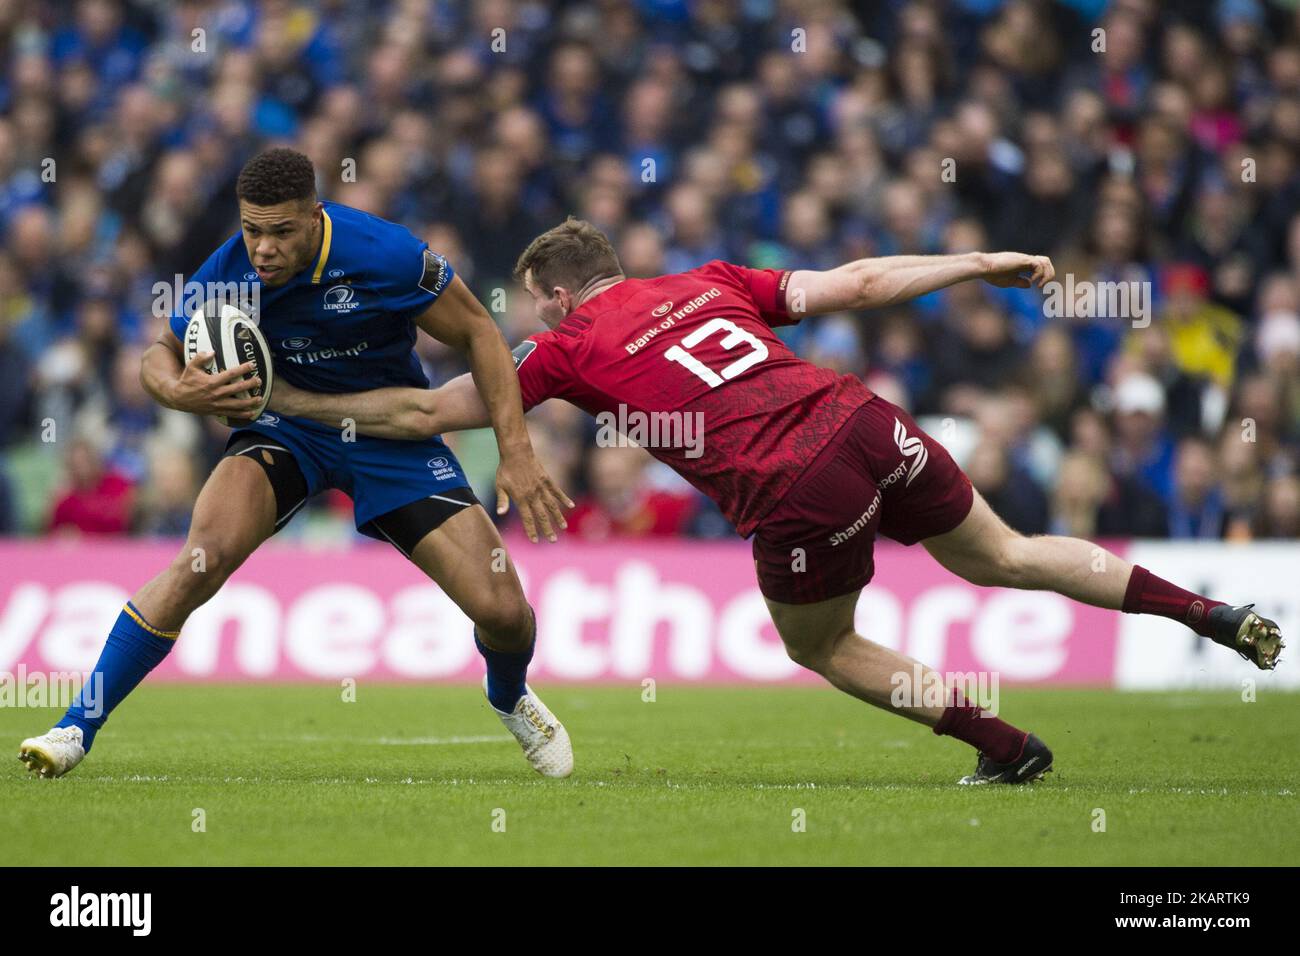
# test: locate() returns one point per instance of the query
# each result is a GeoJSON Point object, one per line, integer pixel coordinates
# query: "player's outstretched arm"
{"type": "Point", "coordinates": [889, 280]}
{"type": "Point", "coordinates": [459, 320]}
{"type": "Point", "coordinates": [189, 388]}
{"type": "Point", "coordinates": [408, 414]}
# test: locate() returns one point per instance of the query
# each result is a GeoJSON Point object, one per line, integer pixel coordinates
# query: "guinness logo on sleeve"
{"type": "Point", "coordinates": [434, 278]}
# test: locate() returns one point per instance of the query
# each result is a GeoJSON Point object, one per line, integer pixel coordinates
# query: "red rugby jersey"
{"type": "Point", "coordinates": [698, 349]}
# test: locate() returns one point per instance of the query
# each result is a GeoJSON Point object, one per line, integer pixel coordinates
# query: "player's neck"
{"type": "Point", "coordinates": [595, 287]}
{"type": "Point", "coordinates": [314, 243]}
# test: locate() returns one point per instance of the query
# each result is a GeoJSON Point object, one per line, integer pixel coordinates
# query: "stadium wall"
{"type": "Point", "coordinates": [674, 611]}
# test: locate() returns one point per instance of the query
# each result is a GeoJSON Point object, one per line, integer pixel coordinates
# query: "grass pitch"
{"type": "Point", "coordinates": [290, 774]}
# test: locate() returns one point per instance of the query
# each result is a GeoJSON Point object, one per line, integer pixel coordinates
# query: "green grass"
{"type": "Point", "coordinates": [289, 774]}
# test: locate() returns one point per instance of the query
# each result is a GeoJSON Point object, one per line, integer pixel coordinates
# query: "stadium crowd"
{"type": "Point", "coordinates": [798, 134]}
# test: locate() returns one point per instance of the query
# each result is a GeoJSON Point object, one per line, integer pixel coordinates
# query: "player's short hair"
{"type": "Point", "coordinates": [276, 175]}
{"type": "Point", "coordinates": [570, 255]}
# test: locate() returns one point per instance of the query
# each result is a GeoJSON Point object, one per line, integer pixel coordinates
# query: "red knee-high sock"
{"type": "Point", "coordinates": [992, 735]}
{"type": "Point", "coordinates": [1148, 594]}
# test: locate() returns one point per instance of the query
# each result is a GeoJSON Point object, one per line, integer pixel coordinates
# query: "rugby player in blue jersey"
{"type": "Point", "coordinates": [341, 294]}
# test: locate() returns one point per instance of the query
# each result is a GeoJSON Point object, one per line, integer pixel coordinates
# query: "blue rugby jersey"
{"type": "Point", "coordinates": [345, 323]}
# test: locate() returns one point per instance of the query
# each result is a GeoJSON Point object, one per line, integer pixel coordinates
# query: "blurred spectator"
{"type": "Point", "coordinates": [1261, 417]}
{"type": "Point", "coordinates": [1077, 498]}
{"type": "Point", "coordinates": [1277, 344]}
{"type": "Point", "coordinates": [1204, 338]}
{"type": "Point", "coordinates": [1052, 379]}
{"type": "Point", "coordinates": [1192, 404]}
{"type": "Point", "coordinates": [1197, 509]}
{"type": "Point", "coordinates": [1243, 484]}
{"type": "Point", "coordinates": [835, 344]}
{"type": "Point", "coordinates": [491, 217]}
{"type": "Point", "coordinates": [96, 500]}
{"type": "Point", "coordinates": [1125, 505]}
{"type": "Point", "coordinates": [164, 504]}
{"type": "Point", "coordinates": [1143, 450]}
{"type": "Point", "coordinates": [621, 503]}
{"type": "Point", "coordinates": [979, 351]}
{"type": "Point", "coordinates": [1009, 490]}
{"type": "Point", "coordinates": [1280, 515]}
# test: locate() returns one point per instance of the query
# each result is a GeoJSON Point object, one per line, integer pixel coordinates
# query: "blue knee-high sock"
{"type": "Point", "coordinates": [506, 673]}
{"type": "Point", "coordinates": [134, 648]}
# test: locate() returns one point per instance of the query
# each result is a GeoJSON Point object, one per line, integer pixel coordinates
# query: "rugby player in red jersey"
{"type": "Point", "coordinates": [808, 461]}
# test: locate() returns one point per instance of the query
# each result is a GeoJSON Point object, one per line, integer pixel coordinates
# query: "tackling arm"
{"type": "Point", "coordinates": [458, 319]}
{"type": "Point", "coordinates": [876, 283]}
{"type": "Point", "coordinates": [400, 413]}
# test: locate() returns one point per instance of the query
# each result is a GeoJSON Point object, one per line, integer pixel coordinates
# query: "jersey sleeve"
{"type": "Point", "coordinates": [543, 370]}
{"type": "Point", "coordinates": [414, 276]}
{"type": "Point", "coordinates": [766, 287]}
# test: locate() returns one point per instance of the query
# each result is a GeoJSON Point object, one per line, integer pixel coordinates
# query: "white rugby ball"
{"type": "Point", "coordinates": [233, 338]}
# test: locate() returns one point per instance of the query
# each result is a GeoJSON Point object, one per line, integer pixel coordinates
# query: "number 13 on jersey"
{"type": "Point", "coordinates": [734, 336]}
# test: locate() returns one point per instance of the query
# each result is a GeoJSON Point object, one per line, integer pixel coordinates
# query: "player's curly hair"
{"type": "Point", "coordinates": [570, 255]}
{"type": "Point", "coordinates": [276, 175]}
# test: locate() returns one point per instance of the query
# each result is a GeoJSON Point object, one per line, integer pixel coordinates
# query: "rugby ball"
{"type": "Point", "coordinates": [233, 338]}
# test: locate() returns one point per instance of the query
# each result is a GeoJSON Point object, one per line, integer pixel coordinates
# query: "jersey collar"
{"type": "Point", "coordinates": [581, 318]}
{"type": "Point", "coordinates": [327, 234]}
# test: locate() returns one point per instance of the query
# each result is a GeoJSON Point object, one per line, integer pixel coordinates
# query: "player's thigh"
{"type": "Point", "coordinates": [814, 553]}
{"type": "Point", "coordinates": [809, 631]}
{"type": "Point", "coordinates": [415, 496]}
{"type": "Point", "coordinates": [234, 513]}
{"type": "Point", "coordinates": [252, 492]}
{"type": "Point", "coordinates": [980, 549]}
{"type": "Point", "coordinates": [466, 557]}
{"type": "Point", "coordinates": [925, 491]}
{"type": "Point", "coordinates": [818, 542]}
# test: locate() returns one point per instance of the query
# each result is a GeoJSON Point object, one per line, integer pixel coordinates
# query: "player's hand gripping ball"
{"type": "Point", "coordinates": [233, 339]}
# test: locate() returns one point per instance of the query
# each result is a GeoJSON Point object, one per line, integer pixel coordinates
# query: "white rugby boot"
{"type": "Point", "coordinates": [53, 753]}
{"type": "Point", "coordinates": [540, 733]}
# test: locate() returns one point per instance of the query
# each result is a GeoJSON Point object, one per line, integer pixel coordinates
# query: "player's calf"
{"type": "Point", "coordinates": [506, 637]}
{"type": "Point", "coordinates": [506, 644]}
{"type": "Point", "coordinates": [235, 512]}
{"type": "Point", "coordinates": [138, 642]}
{"type": "Point", "coordinates": [984, 551]}
{"type": "Point", "coordinates": [135, 646]}
{"type": "Point", "coordinates": [822, 638]}
{"type": "Point", "coordinates": [508, 624]}
{"type": "Point", "coordinates": [505, 633]}
{"type": "Point", "coordinates": [464, 554]}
